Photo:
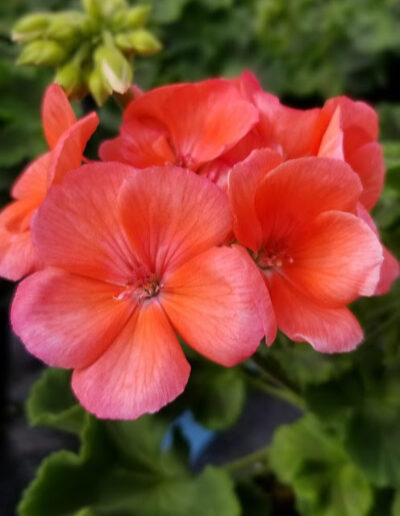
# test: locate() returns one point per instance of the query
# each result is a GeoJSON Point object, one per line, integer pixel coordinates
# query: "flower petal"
{"type": "Point", "coordinates": [68, 153]}
{"type": "Point", "coordinates": [33, 180]}
{"type": "Point", "coordinates": [17, 255]}
{"type": "Point", "coordinates": [143, 370]}
{"type": "Point", "coordinates": [66, 320]}
{"type": "Point", "coordinates": [171, 214]}
{"type": "Point", "coordinates": [204, 119]}
{"type": "Point", "coordinates": [296, 191]}
{"type": "Point", "coordinates": [217, 305]}
{"type": "Point", "coordinates": [368, 162]}
{"type": "Point", "coordinates": [332, 140]}
{"type": "Point", "coordinates": [328, 330]}
{"type": "Point", "coordinates": [390, 271]}
{"type": "Point", "coordinates": [78, 228]}
{"type": "Point", "coordinates": [140, 145]}
{"type": "Point", "coordinates": [338, 260]}
{"type": "Point", "coordinates": [57, 114]}
{"type": "Point", "coordinates": [243, 182]}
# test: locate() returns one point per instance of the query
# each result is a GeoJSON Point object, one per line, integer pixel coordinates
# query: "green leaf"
{"type": "Point", "coordinates": [396, 505]}
{"type": "Point", "coordinates": [315, 465]}
{"type": "Point", "coordinates": [98, 482]}
{"type": "Point", "coordinates": [219, 396]}
{"type": "Point", "coordinates": [373, 441]}
{"type": "Point", "coordinates": [51, 402]}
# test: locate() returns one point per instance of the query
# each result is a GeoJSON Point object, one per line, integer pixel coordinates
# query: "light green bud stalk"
{"type": "Point", "coordinates": [42, 52]}
{"type": "Point", "coordinates": [30, 27]}
{"type": "Point", "coordinates": [140, 41]}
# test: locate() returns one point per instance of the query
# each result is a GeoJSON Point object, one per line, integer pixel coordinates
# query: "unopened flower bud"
{"type": "Point", "coordinates": [115, 69]}
{"type": "Point", "coordinates": [42, 52]}
{"type": "Point", "coordinates": [110, 7]}
{"type": "Point", "coordinates": [69, 77]}
{"type": "Point", "coordinates": [93, 7]}
{"type": "Point", "coordinates": [30, 27]}
{"type": "Point", "coordinates": [140, 41]}
{"type": "Point", "coordinates": [99, 88]}
{"type": "Point", "coordinates": [137, 16]}
{"type": "Point", "coordinates": [63, 27]}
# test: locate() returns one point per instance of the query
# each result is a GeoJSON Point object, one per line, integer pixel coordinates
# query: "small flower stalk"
{"type": "Point", "coordinates": [92, 50]}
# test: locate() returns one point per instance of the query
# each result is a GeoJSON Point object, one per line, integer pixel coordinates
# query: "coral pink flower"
{"type": "Point", "coordinates": [131, 259]}
{"type": "Point", "coordinates": [66, 138]}
{"type": "Point", "coordinates": [183, 124]}
{"type": "Point", "coordinates": [314, 256]}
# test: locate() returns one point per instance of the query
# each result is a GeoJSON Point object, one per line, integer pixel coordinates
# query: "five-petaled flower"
{"type": "Point", "coordinates": [130, 262]}
{"type": "Point", "coordinates": [314, 254]}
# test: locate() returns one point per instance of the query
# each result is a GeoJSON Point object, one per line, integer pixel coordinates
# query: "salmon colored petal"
{"type": "Point", "coordinates": [292, 130]}
{"type": "Point", "coordinates": [332, 140]}
{"type": "Point", "coordinates": [66, 320]}
{"type": "Point", "coordinates": [204, 119]}
{"type": "Point", "coordinates": [390, 266]}
{"type": "Point", "coordinates": [243, 182]}
{"type": "Point", "coordinates": [143, 370]}
{"type": "Point", "coordinates": [368, 162]}
{"type": "Point", "coordinates": [77, 227]}
{"type": "Point", "coordinates": [33, 181]}
{"type": "Point", "coordinates": [354, 114]}
{"type": "Point", "coordinates": [140, 145]}
{"type": "Point", "coordinates": [339, 260]}
{"type": "Point", "coordinates": [298, 190]}
{"type": "Point", "coordinates": [57, 114]}
{"type": "Point", "coordinates": [216, 304]}
{"type": "Point", "coordinates": [17, 255]}
{"type": "Point", "coordinates": [390, 271]}
{"type": "Point", "coordinates": [68, 153]}
{"type": "Point", "coordinates": [171, 214]}
{"type": "Point", "coordinates": [328, 330]}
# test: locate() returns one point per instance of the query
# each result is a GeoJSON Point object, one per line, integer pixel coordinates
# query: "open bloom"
{"type": "Point", "coordinates": [131, 258]}
{"type": "Point", "coordinates": [313, 254]}
{"type": "Point", "coordinates": [182, 124]}
{"type": "Point", "coordinates": [66, 138]}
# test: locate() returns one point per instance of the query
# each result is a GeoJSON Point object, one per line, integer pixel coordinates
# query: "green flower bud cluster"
{"type": "Point", "coordinates": [92, 50]}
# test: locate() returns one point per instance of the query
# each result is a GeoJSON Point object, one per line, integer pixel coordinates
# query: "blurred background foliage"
{"type": "Point", "coordinates": [343, 458]}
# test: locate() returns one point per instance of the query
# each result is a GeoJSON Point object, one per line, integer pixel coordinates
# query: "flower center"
{"type": "Point", "coordinates": [144, 286]}
{"type": "Point", "coordinates": [269, 258]}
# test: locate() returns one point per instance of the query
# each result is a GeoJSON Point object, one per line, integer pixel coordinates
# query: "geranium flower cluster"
{"type": "Point", "coordinates": [217, 216]}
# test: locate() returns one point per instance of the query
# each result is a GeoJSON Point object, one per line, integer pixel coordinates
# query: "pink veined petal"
{"type": "Point", "coordinates": [338, 260]}
{"type": "Point", "coordinates": [143, 370]}
{"type": "Point", "coordinates": [215, 303]}
{"type": "Point", "coordinates": [243, 182]}
{"type": "Point", "coordinates": [78, 229]}
{"type": "Point", "coordinates": [171, 214]}
{"type": "Point", "coordinates": [33, 180]}
{"type": "Point", "coordinates": [328, 330]}
{"type": "Point", "coordinates": [368, 162]}
{"type": "Point", "coordinates": [68, 153]}
{"type": "Point", "coordinates": [67, 320]}
{"type": "Point", "coordinates": [295, 192]}
{"type": "Point", "coordinates": [57, 114]}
